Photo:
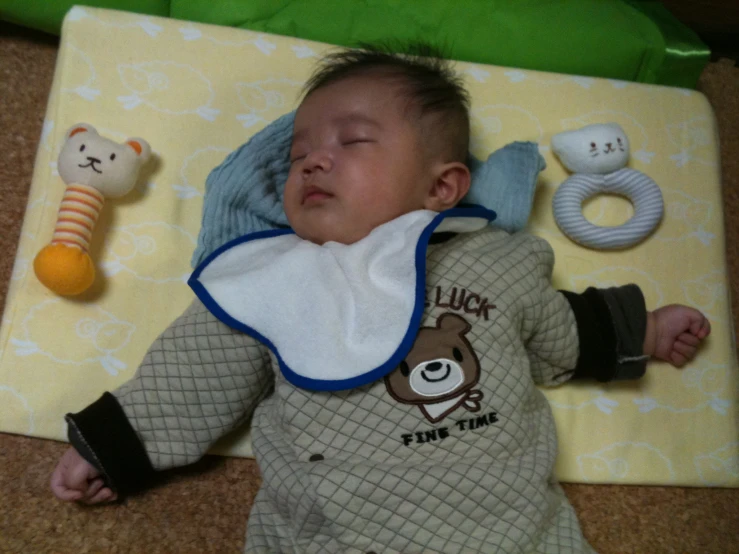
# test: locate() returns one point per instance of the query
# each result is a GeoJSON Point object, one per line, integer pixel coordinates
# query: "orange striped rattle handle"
{"type": "Point", "coordinates": [93, 168]}
{"type": "Point", "coordinates": [78, 213]}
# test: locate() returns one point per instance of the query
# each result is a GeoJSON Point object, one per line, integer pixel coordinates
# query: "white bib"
{"type": "Point", "coordinates": [336, 316]}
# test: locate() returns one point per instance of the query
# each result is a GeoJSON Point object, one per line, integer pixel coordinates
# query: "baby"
{"type": "Point", "coordinates": [441, 444]}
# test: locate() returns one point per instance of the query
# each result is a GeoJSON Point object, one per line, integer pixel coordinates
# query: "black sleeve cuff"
{"type": "Point", "coordinates": [107, 440]}
{"type": "Point", "coordinates": [629, 316]}
{"type": "Point", "coordinates": [76, 440]}
{"type": "Point", "coordinates": [611, 325]}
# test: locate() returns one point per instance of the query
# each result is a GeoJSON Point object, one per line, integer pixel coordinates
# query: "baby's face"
{"type": "Point", "coordinates": [357, 161]}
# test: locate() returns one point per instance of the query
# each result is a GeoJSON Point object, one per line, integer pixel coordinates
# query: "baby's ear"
{"type": "Point", "coordinates": [141, 147]}
{"type": "Point", "coordinates": [451, 183]}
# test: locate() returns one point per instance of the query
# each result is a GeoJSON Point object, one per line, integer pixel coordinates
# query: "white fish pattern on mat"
{"type": "Point", "coordinates": [137, 250]}
{"type": "Point", "coordinates": [153, 83]}
{"type": "Point", "coordinates": [543, 80]}
{"type": "Point", "coordinates": [623, 461]}
{"type": "Point", "coordinates": [266, 100]}
{"type": "Point", "coordinates": [502, 123]}
{"type": "Point", "coordinates": [195, 169]}
{"type": "Point", "coordinates": [16, 403]}
{"type": "Point", "coordinates": [693, 139]}
{"type": "Point", "coordinates": [719, 467]}
{"type": "Point", "coordinates": [84, 77]}
{"type": "Point", "coordinates": [128, 20]}
{"type": "Point", "coordinates": [261, 42]}
{"type": "Point", "coordinates": [99, 337]}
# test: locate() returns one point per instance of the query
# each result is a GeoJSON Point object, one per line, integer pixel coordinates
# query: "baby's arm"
{"type": "Point", "coordinates": [603, 334]}
{"type": "Point", "coordinates": [198, 381]}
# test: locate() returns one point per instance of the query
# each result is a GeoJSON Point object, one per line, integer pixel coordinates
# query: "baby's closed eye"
{"type": "Point", "coordinates": [357, 140]}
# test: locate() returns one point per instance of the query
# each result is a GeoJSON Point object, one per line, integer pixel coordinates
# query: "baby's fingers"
{"type": "Point", "coordinates": [705, 328]}
{"type": "Point", "coordinates": [68, 495]}
{"type": "Point", "coordinates": [701, 327]}
{"type": "Point", "coordinates": [689, 339]}
{"type": "Point", "coordinates": [686, 350]}
{"type": "Point", "coordinates": [60, 489]}
{"type": "Point", "coordinates": [677, 359]}
{"type": "Point", "coordinates": [103, 495]}
{"type": "Point", "coordinates": [93, 488]}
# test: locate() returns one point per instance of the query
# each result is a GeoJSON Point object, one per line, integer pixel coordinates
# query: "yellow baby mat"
{"type": "Point", "coordinates": [196, 92]}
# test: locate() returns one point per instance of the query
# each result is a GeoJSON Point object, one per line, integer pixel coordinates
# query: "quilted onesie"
{"type": "Point", "coordinates": [451, 452]}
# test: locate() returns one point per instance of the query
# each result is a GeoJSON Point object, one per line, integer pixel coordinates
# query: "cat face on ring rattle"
{"type": "Point", "coordinates": [600, 148]}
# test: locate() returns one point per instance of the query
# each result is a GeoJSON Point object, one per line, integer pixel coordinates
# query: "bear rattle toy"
{"type": "Point", "coordinates": [93, 168]}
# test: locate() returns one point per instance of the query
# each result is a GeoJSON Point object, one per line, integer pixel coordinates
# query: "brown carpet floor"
{"type": "Point", "coordinates": [205, 508]}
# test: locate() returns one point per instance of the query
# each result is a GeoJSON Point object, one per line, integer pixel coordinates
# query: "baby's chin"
{"type": "Point", "coordinates": [321, 236]}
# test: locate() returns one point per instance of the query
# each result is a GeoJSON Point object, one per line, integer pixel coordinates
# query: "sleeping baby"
{"type": "Point", "coordinates": [387, 348]}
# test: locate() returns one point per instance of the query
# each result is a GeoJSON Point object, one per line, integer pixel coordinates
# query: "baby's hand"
{"type": "Point", "coordinates": [75, 479]}
{"type": "Point", "coordinates": [674, 333]}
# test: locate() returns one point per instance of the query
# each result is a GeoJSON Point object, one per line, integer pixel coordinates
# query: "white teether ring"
{"type": "Point", "coordinates": [642, 191]}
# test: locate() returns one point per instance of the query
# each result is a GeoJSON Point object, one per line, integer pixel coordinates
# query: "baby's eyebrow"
{"type": "Point", "coordinates": [339, 121]}
{"type": "Point", "coordinates": [355, 118]}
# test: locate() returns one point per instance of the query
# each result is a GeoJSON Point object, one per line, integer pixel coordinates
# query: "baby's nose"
{"type": "Point", "coordinates": [317, 161]}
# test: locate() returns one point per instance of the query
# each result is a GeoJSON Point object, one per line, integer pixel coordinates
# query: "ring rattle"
{"type": "Point", "coordinates": [597, 155]}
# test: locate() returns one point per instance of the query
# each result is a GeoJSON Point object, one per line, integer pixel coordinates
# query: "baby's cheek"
{"type": "Point", "coordinates": [291, 190]}
{"type": "Point", "coordinates": [292, 208]}
{"type": "Point", "coordinates": [376, 209]}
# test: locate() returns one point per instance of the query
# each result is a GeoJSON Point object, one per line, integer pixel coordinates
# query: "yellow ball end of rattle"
{"type": "Point", "coordinates": [65, 270]}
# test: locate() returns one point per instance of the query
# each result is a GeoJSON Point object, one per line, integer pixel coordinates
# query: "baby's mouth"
{"type": "Point", "coordinates": [314, 194]}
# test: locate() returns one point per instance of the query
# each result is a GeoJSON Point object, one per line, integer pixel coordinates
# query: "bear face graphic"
{"type": "Point", "coordinates": [439, 371]}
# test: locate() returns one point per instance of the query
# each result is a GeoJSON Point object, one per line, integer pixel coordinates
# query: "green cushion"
{"type": "Point", "coordinates": [618, 39]}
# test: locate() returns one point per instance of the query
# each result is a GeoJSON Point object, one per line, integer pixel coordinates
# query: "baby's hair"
{"type": "Point", "coordinates": [427, 79]}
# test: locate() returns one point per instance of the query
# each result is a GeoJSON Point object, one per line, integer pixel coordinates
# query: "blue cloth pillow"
{"type": "Point", "coordinates": [244, 193]}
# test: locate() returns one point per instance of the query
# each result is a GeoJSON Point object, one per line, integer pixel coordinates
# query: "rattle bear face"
{"type": "Point", "coordinates": [440, 365]}
{"type": "Point", "coordinates": [600, 148]}
{"type": "Point", "coordinates": [89, 159]}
